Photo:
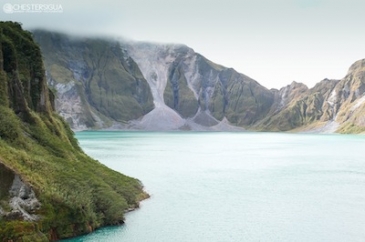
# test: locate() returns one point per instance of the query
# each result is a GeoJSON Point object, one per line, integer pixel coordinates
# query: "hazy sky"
{"type": "Point", "coordinates": [272, 41]}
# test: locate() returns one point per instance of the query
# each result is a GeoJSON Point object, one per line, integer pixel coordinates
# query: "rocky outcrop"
{"type": "Point", "coordinates": [19, 201]}
{"type": "Point", "coordinates": [23, 201]}
{"type": "Point", "coordinates": [349, 100]}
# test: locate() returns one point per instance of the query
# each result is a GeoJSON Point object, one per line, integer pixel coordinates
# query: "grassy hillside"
{"type": "Point", "coordinates": [76, 193]}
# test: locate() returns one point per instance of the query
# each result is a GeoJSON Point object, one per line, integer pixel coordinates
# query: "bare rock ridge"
{"type": "Point", "coordinates": [171, 87]}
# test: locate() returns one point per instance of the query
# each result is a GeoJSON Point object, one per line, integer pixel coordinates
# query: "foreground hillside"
{"type": "Point", "coordinates": [49, 188]}
{"type": "Point", "coordinates": [104, 83]}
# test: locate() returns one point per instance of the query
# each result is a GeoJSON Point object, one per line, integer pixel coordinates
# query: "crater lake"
{"type": "Point", "coordinates": [234, 187]}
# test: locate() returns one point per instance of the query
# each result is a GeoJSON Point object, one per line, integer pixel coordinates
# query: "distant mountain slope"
{"type": "Point", "coordinates": [189, 91]}
{"type": "Point", "coordinates": [199, 90]}
{"type": "Point", "coordinates": [96, 82]}
{"type": "Point", "coordinates": [296, 106]}
{"type": "Point", "coordinates": [144, 86]}
{"type": "Point", "coordinates": [330, 106]}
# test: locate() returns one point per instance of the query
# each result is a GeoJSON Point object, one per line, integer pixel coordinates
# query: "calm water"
{"type": "Point", "coordinates": [233, 187]}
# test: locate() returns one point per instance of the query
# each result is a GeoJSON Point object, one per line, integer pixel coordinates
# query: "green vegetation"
{"type": "Point", "coordinates": [178, 95]}
{"type": "Point", "coordinates": [77, 193]}
{"type": "Point", "coordinates": [351, 128]}
{"type": "Point", "coordinates": [239, 98]}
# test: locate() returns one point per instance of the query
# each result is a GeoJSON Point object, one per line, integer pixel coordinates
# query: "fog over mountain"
{"type": "Point", "coordinates": [275, 42]}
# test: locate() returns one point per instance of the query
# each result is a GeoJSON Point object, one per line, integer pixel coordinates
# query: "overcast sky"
{"type": "Point", "coordinates": [273, 41]}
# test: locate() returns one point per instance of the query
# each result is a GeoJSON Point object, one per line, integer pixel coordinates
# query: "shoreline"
{"type": "Point", "coordinates": [143, 196]}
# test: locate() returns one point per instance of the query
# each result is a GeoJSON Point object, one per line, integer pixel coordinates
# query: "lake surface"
{"type": "Point", "coordinates": [234, 187]}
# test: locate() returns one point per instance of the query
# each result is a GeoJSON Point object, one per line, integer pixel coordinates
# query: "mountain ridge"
{"type": "Point", "coordinates": [189, 92]}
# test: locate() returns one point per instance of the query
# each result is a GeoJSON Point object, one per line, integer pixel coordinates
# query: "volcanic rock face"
{"type": "Point", "coordinates": [144, 86]}
{"type": "Point", "coordinates": [95, 81]}
{"type": "Point", "coordinates": [183, 88]}
{"type": "Point", "coordinates": [198, 89]}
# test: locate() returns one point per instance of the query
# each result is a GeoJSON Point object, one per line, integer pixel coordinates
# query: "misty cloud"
{"type": "Point", "coordinates": [274, 42]}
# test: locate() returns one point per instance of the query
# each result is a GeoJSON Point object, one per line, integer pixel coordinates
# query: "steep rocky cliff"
{"type": "Point", "coordinates": [188, 91]}
{"type": "Point", "coordinates": [49, 189]}
{"type": "Point", "coordinates": [199, 90]}
{"type": "Point", "coordinates": [171, 87]}
{"type": "Point", "coordinates": [348, 100]}
{"type": "Point", "coordinates": [96, 83]}
{"type": "Point", "coordinates": [297, 106]}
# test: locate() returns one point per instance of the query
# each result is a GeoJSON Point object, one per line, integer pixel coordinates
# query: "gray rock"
{"type": "Point", "coordinates": [23, 201]}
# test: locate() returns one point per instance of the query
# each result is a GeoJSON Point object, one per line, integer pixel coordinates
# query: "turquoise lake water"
{"type": "Point", "coordinates": [234, 187]}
